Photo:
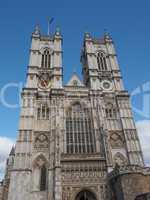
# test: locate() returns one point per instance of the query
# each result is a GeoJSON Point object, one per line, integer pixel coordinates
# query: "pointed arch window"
{"type": "Point", "coordinates": [110, 111]}
{"type": "Point", "coordinates": [43, 178]}
{"type": "Point", "coordinates": [43, 112]}
{"type": "Point", "coordinates": [80, 134]}
{"type": "Point", "coordinates": [101, 60]}
{"type": "Point", "coordinates": [46, 59]}
{"type": "Point", "coordinates": [39, 178]}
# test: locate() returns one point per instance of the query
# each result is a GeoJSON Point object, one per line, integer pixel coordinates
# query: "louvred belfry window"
{"type": "Point", "coordinates": [101, 60]}
{"type": "Point", "coordinates": [43, 112]}
{"type": "Point", "coordinates": [80, 134]}
{"type": "Point", "coordinates": [46, 59]}
{"type": "Point", "coordinates": [110, 111]}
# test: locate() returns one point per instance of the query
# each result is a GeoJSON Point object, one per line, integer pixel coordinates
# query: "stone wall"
{"type": "Point", "coordinates": [129, 182]}
{"type": "Point", "coordinates": [135, 184]}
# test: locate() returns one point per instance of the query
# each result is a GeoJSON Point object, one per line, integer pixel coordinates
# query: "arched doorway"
{"type": "Point", "coordinates": [85, 195]}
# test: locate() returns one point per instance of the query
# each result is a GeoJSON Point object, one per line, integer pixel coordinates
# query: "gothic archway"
{"type": "Point", "coordinates": [85, 195]}
{"type": "Point", "coordinates": [39, 173]}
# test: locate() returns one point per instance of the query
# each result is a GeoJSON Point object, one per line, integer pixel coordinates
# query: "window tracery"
{"type": "Point", "coordinates": [43, 112]}
{"type": "Point", "coordinates": [110, 111]}
{"type": "Point", "coordinates": [101, 60]}
{"type": "Point", "coordinates": [79, 130]}
{"type": "Point", "coordinates": [40, 174]}
{"type": "Point", "coordinates": [46, 59]}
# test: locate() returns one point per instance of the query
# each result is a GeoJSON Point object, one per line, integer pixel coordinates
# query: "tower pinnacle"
{"type": "Point", "coordinates": [37, 30]}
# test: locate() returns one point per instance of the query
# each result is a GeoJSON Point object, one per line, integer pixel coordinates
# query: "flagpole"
{"type": "Point", "coordinates": [50, 20]}
{"type": "Point", "coordinates": [48, 28]}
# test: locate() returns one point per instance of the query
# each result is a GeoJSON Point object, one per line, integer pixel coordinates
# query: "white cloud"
{"type": "Point", "coordinates": [143, 128]}
{"type": "Point", "coordinates": [5, 148]}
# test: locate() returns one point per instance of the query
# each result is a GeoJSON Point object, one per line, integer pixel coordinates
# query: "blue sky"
{"type": "Point", "coordinates": [126, 21]}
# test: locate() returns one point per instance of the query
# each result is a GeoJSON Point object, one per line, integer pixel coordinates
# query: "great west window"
{"type": "Point", "coordinates": [80, 136]}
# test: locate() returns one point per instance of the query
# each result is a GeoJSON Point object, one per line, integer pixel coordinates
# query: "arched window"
{"type": "Point", "coordinates": [39, 178]}
{"type": "Point", "coordinates": [80, 134]}
{"type": "Point", "coordinates": [101, 60]}
{"type": "Point", "coordinates": [46, 59]}
{"type": "Point", "coordinates": [43, 178]}
{"type": "Point", "coordinates": [110, 112]}
{"type": "Point", "coordinates": [43, 112]}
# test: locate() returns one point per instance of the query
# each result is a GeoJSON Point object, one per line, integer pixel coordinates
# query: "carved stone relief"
{"type": "Point", "coordinates": [116, 140]}
{"type": "Point", "coordinates": [119, 159]}
{"type": "Point", "coordinates": [41, 141]}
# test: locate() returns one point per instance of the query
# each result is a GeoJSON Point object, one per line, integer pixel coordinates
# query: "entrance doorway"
{"type": "Point", "coordinates": [85, 195]}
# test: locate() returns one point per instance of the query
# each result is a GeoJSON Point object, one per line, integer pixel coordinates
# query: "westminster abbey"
{"type": "Point", "coordinates": [76, 141]}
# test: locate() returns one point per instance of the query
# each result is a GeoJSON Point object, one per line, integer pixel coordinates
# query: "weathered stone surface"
{"type": "Point", "coordinates": [130, 182]}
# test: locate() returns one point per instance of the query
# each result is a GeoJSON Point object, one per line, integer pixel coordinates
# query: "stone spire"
{"type": "Point", "coordinates": [58, 31]}
{"type": "Point", "coordinates": [107, 36]}
{"type": "Point", "coordinates": [87, 35]}
{"type": "Point", "coordinates": [12, 152]}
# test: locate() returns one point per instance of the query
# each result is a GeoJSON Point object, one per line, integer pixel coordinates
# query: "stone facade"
{"type": "Point", "coordinates": [72, 136]}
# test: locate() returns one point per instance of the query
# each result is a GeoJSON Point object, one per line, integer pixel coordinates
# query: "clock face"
{"type": "Point", "coordinates": [44, 81]}
{"type": "Point", "coordinates": [106, 85]}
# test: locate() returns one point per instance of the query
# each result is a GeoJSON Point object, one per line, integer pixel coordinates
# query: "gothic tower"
{"type": "Point", "coordinates": [71, 136]}
{"type": "Point", "coordinates": [102, 74]}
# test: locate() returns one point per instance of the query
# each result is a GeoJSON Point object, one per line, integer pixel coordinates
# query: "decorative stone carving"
{"type": "Point", "coordinates": [119, 159]}
{"type": "Point", "coordinates": [116, 140]}
{"type": "Point", "coordinates": [83, 172]}
{"type": "Point", "coordinates": [41, 141]}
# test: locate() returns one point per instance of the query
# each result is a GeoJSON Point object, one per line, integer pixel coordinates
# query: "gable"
{"type": "Point", "coordinates": [75, 81]}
